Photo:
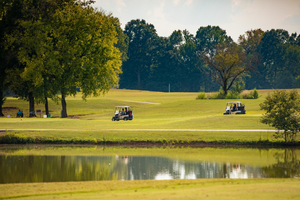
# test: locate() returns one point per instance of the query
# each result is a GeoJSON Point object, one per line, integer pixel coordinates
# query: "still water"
{"type": "Point", "coordinates": [58, 164]}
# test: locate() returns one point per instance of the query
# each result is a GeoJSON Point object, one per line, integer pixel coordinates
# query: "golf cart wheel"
{"type": "Point", "coordinates": [113, 119]}
{"type": "Point", "coordinates": [125, 118]}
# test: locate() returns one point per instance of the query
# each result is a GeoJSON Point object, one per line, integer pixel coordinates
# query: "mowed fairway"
{"type": "Point", "coordinates": [174, 111]}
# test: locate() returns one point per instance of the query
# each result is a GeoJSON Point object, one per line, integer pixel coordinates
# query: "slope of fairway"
{"type": "Point", "coordinates": [175, 111]}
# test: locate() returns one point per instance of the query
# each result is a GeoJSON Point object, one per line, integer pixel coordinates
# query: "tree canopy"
{"type": "Point", "coordinates": [283, 112]}
{"type": "Point", "coordinates": [74, 48]}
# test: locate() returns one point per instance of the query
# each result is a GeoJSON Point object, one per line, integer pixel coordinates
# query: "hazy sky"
{"type": "Point", "coordinates": [234, 16]}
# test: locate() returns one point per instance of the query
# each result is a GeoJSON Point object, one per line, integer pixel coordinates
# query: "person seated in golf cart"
{"type": "Point", "coordinates": [234, 107]}
{"type": "Point", "coordinates": [123, 112]}
{"type": "Point", "coordinates": [19, 113]}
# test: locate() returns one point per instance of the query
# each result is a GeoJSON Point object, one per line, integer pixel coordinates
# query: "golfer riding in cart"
{"type": "Point", "coordinates": [234, 108]}
{"type": "Point", "coordinates": [123, 113]}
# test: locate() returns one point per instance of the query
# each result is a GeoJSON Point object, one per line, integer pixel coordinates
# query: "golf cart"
{"type": "Point", "coordinates": [122, 113]}
{"type": "Point", "coordinates": [234, 107]}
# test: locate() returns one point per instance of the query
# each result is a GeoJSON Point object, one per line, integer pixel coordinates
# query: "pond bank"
{"type": "Point", "coordinates": [140, 140]}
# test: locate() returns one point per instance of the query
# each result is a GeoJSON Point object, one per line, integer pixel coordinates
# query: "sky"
{"type": "Point", "coordinates": [234, 16]}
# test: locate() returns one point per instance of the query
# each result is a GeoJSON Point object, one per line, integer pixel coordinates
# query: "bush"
{"type": "Point", "coordinates": [202, 95]}
{"type": "Point", "coordinates": [255, 94]}
{"type": "Point", "coordinates": [233, 95]}
{"type": "Point", "coordinates": [251, 95]}
{"type": "Point", "coordinates": [218, 95]}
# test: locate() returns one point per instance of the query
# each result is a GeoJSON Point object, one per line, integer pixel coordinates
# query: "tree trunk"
{"type": "Point", "coordinates": [64, 105]}
{"type": "Point", "coordinates": [139, 80]}
{"type": "Point", "coordinates": [46, 106]}
{"type": "Point", "coordinates": [1, 102]}
{"type": "Point", "coordinates": [31, 105]}
{"type": "Point", "coordinates": [225, 90]}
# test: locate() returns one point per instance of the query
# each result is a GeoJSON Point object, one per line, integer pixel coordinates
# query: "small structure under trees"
{"type": "Point", "coordinates": [283, 112]}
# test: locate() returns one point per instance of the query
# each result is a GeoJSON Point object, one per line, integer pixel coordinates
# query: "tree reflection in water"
{"type": "Point", "coordinates": [22, 169]}
{"type": "Point", "coordinates": [287, 166]}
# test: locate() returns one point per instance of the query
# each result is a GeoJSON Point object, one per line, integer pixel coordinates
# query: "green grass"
{"type": "Point", "coordinates": [169, 189]}
{"type": "Point", "coordinates": [92, 118]}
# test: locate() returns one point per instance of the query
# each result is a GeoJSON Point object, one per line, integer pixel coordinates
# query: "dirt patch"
{"type": "Point", "coordinates": [74, 116]}
{"type": "Point", "coordinates": [9, 108]}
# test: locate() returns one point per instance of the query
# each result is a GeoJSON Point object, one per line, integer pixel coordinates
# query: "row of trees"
{"type": "Point", "coordinates": [49, 48]}
{"type": "Point", "coordinates": [209, 59]}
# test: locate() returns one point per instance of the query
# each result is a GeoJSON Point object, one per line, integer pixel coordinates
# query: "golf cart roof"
{"type": "Point", "coordinates": [234, 102]}
{"type": "Point", "coordinates": [122, 106]}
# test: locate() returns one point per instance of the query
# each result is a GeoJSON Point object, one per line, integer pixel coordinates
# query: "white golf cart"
{"type": "Point", "coordinates": [234, 108]}
{"type": "Point", "coordinates": [122, 113]}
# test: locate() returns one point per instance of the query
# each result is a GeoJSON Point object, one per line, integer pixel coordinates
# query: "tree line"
{"type": "Point", "coordinates": [54, 48]}
{"type": "Point", "coordinates": [209, 60]}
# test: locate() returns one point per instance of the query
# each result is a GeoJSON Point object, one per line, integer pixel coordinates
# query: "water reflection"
{"type": "Point", "coordinates": [29, 168]}
{"type": "Point", "coordinates": [287, 166]}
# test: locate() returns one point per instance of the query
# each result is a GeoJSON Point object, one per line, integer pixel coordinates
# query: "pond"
{"type": "Point", "coordinates": [23, 164]}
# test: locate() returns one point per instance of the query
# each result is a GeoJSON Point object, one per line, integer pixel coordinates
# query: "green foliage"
{"type": "Point", "coordinates": [74, 48]}
{"type": "Point", "coordinates": [283, 112]}
{"type": "Point", "coordinates": [251, 95]}
{"type": "Point", "coordinates": [201, 95]}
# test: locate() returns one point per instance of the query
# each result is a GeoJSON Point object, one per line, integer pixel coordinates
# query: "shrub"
{"type": "Point", "coordinates": [218, 95]}
{"type": "Point", "coordinates": [255, 94]}
{"type": "Point", "coordinates": [202, 95]}
{"type": "Point", "coordinates": [251, 95]}
{"type": "Point", "coordinates": [233, 95]}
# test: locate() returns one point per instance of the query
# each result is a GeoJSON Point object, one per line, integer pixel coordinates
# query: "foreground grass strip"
{"type": "Point", "coordinates": [168, 189]}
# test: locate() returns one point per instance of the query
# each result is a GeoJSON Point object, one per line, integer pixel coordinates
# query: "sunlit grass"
{"type": "Point", "coordinates": [176, 110]}
{"type": "Point", "coordinates": [169, 189]}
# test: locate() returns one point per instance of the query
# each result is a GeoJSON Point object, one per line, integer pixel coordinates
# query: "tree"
{"type": "Point", "coordinates": [208, 38]}
{"type": "Point", "coordinates": [75, 48]}
{"type": "Point", "coordinates": [142, 38]}
{"type": "Point", "coordinates": [224, 60]}
{"type": "Point", "coordinates": [227, 65]}
{"type": "Point", "coordinates": [283, 112]}
{"type": "Point", "coordinates": [250, 42]}
{"type": "Point", "coordinates": [272, 49]}
{"type": "Point", "coordinates": [12, 13]}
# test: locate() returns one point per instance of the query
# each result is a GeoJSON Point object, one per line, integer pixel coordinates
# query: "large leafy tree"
{"type": "Point", "coordinates": [283, 112]}
{"type": "Point", "coordinates": [142, 39]}
{"type": "Point", "coordinates": [12, 13]}
{"type": "Point", "coordinates": [227, 65]}
{"type": "Point", "coordinates": [224, 60]}
{"type": "Point", "coordinates": [74, 48]}
{"type": "Point", "coordinates": [272, 49]}
{"type": "Point", "coordinates": [250, 43]}
{"type": "Point", "coordinates": [208, 38]}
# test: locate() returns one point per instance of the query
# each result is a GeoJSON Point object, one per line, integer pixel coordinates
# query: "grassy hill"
{"type": "Point", "coordinates": [180, 111]}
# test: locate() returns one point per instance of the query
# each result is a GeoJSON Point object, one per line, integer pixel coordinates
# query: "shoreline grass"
{"type": "Point", "coordinates": [145, 138]}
